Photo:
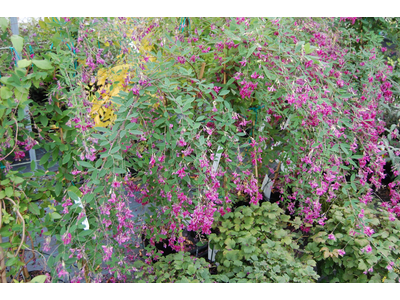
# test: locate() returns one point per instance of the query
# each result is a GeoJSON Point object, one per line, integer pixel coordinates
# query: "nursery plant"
{"type": "Point", "coordinates": [188, 117]}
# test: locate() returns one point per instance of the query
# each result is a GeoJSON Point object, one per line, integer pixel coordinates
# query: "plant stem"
{"type": "Point", "coordinates": [255, 154]}
{"type": "Point", "coordinates": [3, 277]}
{"type": "Point", "coordinates": [23, 226]}
{"type": "Point", "coordinates": [202, 70]}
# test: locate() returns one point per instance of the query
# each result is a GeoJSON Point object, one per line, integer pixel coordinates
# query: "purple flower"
{"type": "Point", "coordinates": [243, 62]}
{"type": "Point", "coordinates": [66, 238]}
{"type": "Point", "coordinates": [181, 142]}
{"type": "Point", "coordinates": [368, 231]}
{"type": "Point", "coordinates": [254, 75]}
{"type": "Point", "coordinates": [116, 184]}
{"type": "Point", "coordinates": [368, 248]}
{"type": "Point", "coordinates": [107, 252]}
{"type": "Point", "coordinates": [181, 173]}
{"type": "Point", "coordinates": [181, 59]}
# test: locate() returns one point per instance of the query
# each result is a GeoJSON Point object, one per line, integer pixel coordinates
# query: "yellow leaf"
{"type": "Point", "coordinates": [97, 120]}
{"type": "Point", "coordinates": [327, 254]}
{"type": "Point", "coordinates": [335, 252]}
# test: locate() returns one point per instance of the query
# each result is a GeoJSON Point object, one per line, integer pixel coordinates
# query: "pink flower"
{"type": "Point", "coordinates": [341, 252]}
{"type": "Point", "coordinates": [152, 161]}
{"type": "Point", "coordinates": [107, 252]}
{"type": "Point", "coordinates": [19, 155]}
{"type": "Point", "coordinates": [62, 273]}
{"type": "Point", "coordinates": [181, 173]}
{"type": "Point", "coordinates": [181, 142]}
{"type": "Point", "coordinates": [368, 248]}
{"type": "Point", "coordinates": [243, 62]}
{"type": "Point", "coordinates": [66, 238]}
{"type": "Point", "coordinates": [181, 59]}
{"type": "Point", "coordinates": [254, 75]}
{"type": "Point", "coordinates": [113, 198]}
{"type": "Point", "coordinates": [331, 237]}
{"type": "Point", "coordinates": [368, 231]}
{"type": "Point", "coordinates": [116, 184]}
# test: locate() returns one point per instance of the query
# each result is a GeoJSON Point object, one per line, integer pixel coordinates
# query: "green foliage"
{"type": "Point", "coordinates": [366, 257]}
{"type": "Point", "coordinates": [178, 268]}
{"type": "Point", "coordinates": [255, 244]}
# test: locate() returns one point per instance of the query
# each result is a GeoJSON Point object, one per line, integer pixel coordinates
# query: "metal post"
{"type": "Point", "coordinates": [15, 31]}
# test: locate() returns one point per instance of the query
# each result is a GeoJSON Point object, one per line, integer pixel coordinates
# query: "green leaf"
{"type": "Point", "coordinates": [43, 64]}
{"type": "Point", "coordinates": [74, 189]}
{"type": "Point", "coordinates": [45, 158]}
{"type": "Point", "coordinates": [58, 187]}
{"type": "Point", "coordinates": [9, 191]}
{"type": "Point", "coordinates": [119, 171]}
{"type": "Point", "coordinates": [85, 232]}
{"type": "Point", "coordinates": [191, 270]}
{"type": "Point", "coordinates": [42, 24]}
{"type": "Point", "coordinates": [251, 50]}
{"type": "Point", "coordinates": [55, 216]}
{"type": "Point", "coordinates": [347, 95]}
{"type": "Point", "coordinates": [33, 208]}
{"type": "Point", "coordinates": [11, 261]}
{"type": "Point", "coordinates": [85, 164]}
{"type": "Point", "coordinates": [6, 244]}
{"type": "Point", "coordinates": [280, 233]}
{"type": "Point", "coordinates": [5, 92]}
{"type": "Point", "coordinates": [73, 196]}
{"type": "Point", "coordinates": [307, 48]}
{"type": "Point", "coordinates": [43, 119]}
{"type": "Point", "coordinates": [39, 279]}
{"type": "Point", "coordinates": [3, 23]}
{"type": "Point", "coordinates": [17, 42]}
{"type": "Point", "coordinates": [23, 63]}
{"type": "Point", "coordinates": [136, 132]}
{"type": "Point", "coordinates": [287, 240]}
{"type": "Point", "coordinates": [362, 266]}
{"type": "Point", "coordinates": [344, 148]}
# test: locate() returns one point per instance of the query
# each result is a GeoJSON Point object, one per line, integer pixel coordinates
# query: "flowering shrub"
{"type": "Point", "coordinates": [188, 126]}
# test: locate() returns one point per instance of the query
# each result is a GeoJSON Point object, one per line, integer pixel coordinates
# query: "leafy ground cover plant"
{"type": "Point", "coordinates": [179, 268]}
{"type": "Point", "coordinates": [255, 244]}
{"type": "Point", "coordinates": [357, 248]}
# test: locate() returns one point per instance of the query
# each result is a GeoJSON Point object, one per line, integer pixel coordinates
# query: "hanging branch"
{"type": "Point", "coordinates": [3, 278]}
{"type": "Point", "coordinates": [23, 226]}
{"type": "Point", "coordinates": [15, 143]}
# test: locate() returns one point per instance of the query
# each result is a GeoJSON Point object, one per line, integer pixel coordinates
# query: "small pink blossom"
{"type": "Point", "coordinates": [181, 142]}
{"type": "Point", "coordinates": [243, 62]}
{"type": "Point", "coordinates": [116, 184]}
{"type": "Point", "coordinates": [66, 238]}
{"type": "Point", "coordinates": [107, 252]}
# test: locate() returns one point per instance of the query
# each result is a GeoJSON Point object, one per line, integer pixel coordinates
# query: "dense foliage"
{"type": "Point", "coordinates": [187, 117]}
